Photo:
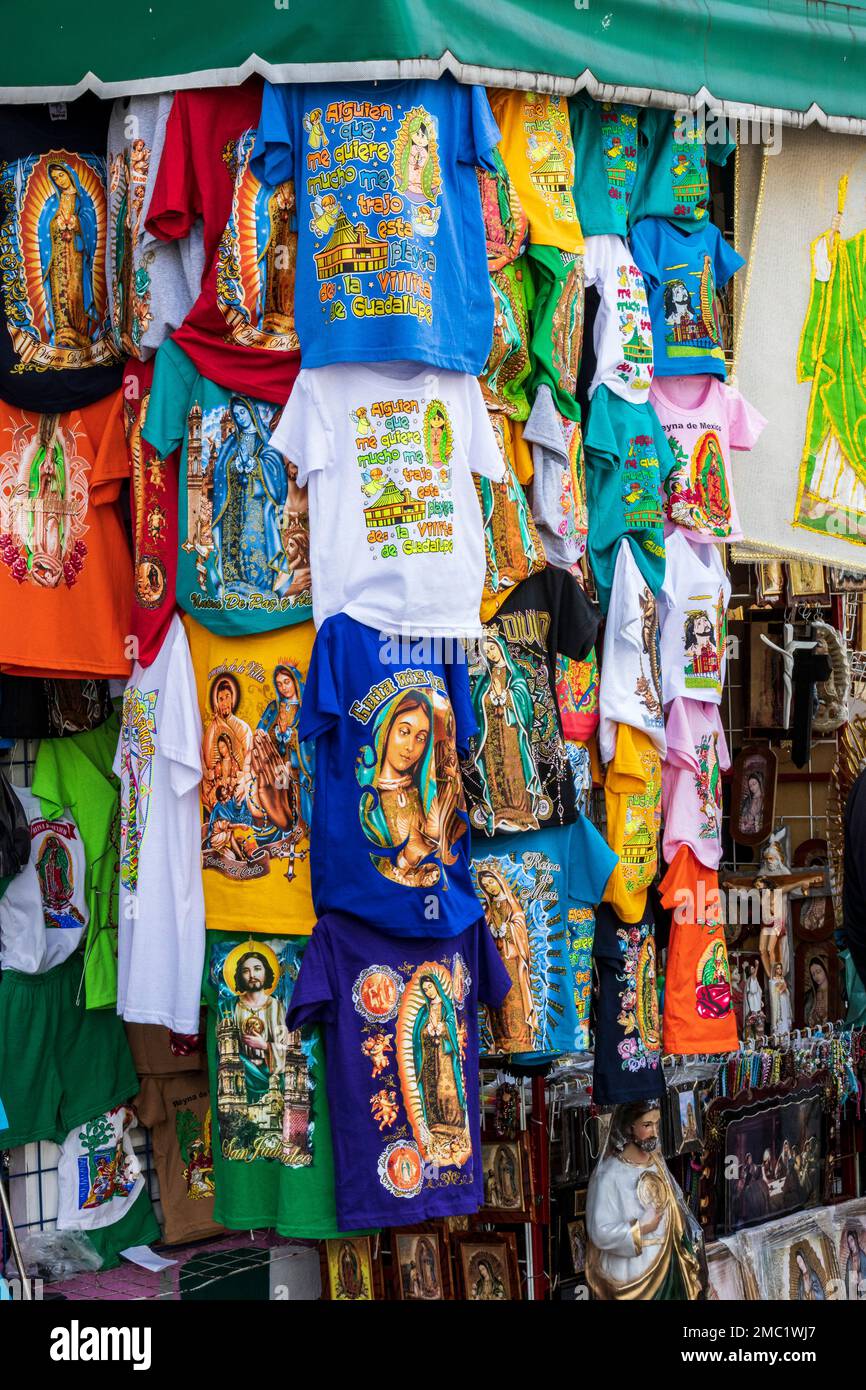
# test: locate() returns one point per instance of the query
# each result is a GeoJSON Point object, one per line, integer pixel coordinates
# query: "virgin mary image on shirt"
{"type": "Point", "coordinates": [511, 794]}
{"type": "Point", "coordinates": [431, 1035]}
{"type": "Point", "coordinates": [412, 803]}
{"type": "Point", "coordinates": [713, 987]}
{"type": "Point", "coordinates": [250, 486]}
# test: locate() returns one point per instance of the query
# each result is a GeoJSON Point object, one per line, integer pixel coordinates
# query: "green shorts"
{"type": "Point", "coordinates": [60, 1063]}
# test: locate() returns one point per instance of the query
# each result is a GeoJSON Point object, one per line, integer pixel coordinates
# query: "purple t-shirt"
{"type": "Point", "coordinates": [400, 1021]}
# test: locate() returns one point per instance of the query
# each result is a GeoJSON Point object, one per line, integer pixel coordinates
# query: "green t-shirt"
{"type": "Point", "coordinates": [672, 179]}
{"type": "Point", "coordinates": [243, 563]}
{"type": "Point", "coordinates": [75, 773]}
{"type": "Point", "coordinates": [557, 325]}
{"type": "Point", "coordinates": [272, 1155]}
{"type": "Point", "coordinates": [605, 139]}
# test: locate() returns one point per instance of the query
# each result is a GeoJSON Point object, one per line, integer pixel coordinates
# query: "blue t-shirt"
{"type": "Point", "coordinates": [400, 1022]}
{"type": "Point", "coordinates": [392, 253]}
{"type": "Point", "coordinates": [539, 892]}
{"type": "Point", "coordinates": [390, 833]}
{"type": "Point", "coordinates": [683, 268]}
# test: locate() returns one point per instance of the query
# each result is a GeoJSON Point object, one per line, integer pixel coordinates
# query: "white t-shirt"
{"type": "Point", "coordinates": [630, 687]}
{"type": "Point", "coordinates": [692, 606]}
{"type": "Point", "coordinates": [161, 922]}
{"type": "Point", "coordinates": [622, 333]}
{"type": "Point", "coordinates": [704, 419]}
{"type": "Point", "coordinates": [44, 913]}
{"type": "Point", "coordinates": [692, 780]}
{"type": "Point", "coordinates": [99, 1175]}
{"type": "Point", "coordinates": [388, 452]}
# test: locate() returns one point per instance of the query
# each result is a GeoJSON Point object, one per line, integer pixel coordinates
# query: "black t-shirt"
{"type": "Point", "coordinates": [627, 1031]}
{"type": "Point", "coordinates": [517, 775]}
{"type": "Point", "coordinates": [854, 890]}
{"type": "Point", "coordinates": [56, 350]}
{"type": "Point", "coordinates": [31, 707]}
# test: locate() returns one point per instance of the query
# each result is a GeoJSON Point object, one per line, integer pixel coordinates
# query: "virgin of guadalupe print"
{"type": "Point", "coordinates": [264, 1071]}
{"type": "Point", "coordinates": [504, 757]}
{"type": "Point", "coordinates": [512, 909]}
{"type": "Point", "coordinates": [713, 982]}
{"type": "Point", "coordinates": [131, 313]}
{"type": "Point", "coordinates": [257, 256]}
{"type": "Point", "coordinates": [246, 518]}
{"type": "Point", "coordinates": [52, 258]}
{"type": "Point", "coordinates": [412, 803]}
{"type": "Point", "coordinates": [44, 497]}
{"type": "Point", "coordinates": [257, 778]}
{"type": "Point", "coordinates": [831, 496]}
{"type": "Point", "coordinates": [430, 1043]}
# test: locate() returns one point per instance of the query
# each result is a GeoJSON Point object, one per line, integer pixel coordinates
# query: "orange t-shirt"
{"type": "Point", "coordinates": [65, 566]}
{"type": "Point", "coordinates": [537, 150]}
{"type": "Point", "coordinates": [632, 799]}
{"type": "Point", "coordinates": [698, 1015]}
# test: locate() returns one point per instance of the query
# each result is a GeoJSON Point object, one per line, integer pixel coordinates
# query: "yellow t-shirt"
{"type": "Point", "coordinates": [632, 798]}
{"type": "Point", "coordinates": [537, 151]}
{"type": "Point", "coordinates": [257, 779]}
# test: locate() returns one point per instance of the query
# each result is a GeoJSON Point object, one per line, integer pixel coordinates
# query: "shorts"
{"type": "Point", "coordinates": [60, 1063]}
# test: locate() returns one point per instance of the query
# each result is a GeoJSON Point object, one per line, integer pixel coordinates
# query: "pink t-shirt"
{"type": "Point", "coordinates": [692, 781]}
{"type": "Point", "coordinates": [704, 419]}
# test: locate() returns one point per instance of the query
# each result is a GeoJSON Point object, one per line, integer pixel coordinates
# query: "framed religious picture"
{"type": "Point", "coordinates": [350, 1271]}
{"type": "Point", "coordinates": [505, 1166]}
{"type": "Point", "coordinates": [577, 1244]}
{"type": "Point", "coordinates": [771, 583]}
{"type": "Point", "coordinates": [810, 854]}
{"type": "Point", "coordinates": [753, 793]}
{"type": "Point", "coordinates": [763, 694]}
{"type": "Point", "coordinates": [487, 1267]}
{"type": "Point", "coordinates": [763, 1155]}
{"type": "Point", "coordinates": [686, 1123]}
{"type": "Point", "coordinates": [798, 1264]}
{"type": "Point", "coordinates": [420, 1269]}
{"type": "Point", "coordinates": [843, 581]}
{"type": "Point", "coordinates": [817, 996]}
{"type": "Point", "coordinates": [807, 582]}
{"type": "Point", "coordinates": [812, 917]}
{"type": "Point", "coordinates": [731, 1279]}
{"type": "Point", "coordinates": [749, 995]}
{"type": "Point", "coordinates": [849, 1223]}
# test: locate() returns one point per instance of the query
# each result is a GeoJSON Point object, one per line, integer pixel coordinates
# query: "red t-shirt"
{"type": "Point", "coordinates": [240, 332]}
{"type": "Point", "coordinates": [65, 571]}
{"type": "Point", "coordinates": [153, 506]}
{"type": "Point", "coordinates": [698, 1015]}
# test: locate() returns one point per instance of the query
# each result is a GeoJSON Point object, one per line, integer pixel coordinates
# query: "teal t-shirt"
{"type": "Point", "coordinates": [606, 152]}
{"type": "Point", "coordinates": [243, 532]}
{"type": "Point", "coordinates": [628, 457]}
{"type": "Point", "coordinates": [672, 177]}
{"type": "Point", "coordinates": [539, 892]}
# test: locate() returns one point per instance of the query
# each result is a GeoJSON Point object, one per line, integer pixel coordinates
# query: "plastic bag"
{"type": "Point", "coordinates": [56, 1255]}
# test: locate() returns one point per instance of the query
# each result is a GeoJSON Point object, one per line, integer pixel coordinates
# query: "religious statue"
{"type": "Point", "coordinates": [643, 1242]}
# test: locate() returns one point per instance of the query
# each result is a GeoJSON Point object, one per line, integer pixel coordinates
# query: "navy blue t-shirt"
{"type": "Point", "coordinates": [627, 1029]}
{"type": "Point", "coordinates": [400, 1022]}
{"type": "Point", "coordinates": [389, 840]}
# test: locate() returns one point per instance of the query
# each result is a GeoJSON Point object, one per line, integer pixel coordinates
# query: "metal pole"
{"type": "Point", "coordinates": [26, 1292]}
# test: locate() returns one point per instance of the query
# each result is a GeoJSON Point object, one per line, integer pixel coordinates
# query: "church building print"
{"type": "Point", "coordinates": [551, 176]}
{"type": "Point", "coordinates": [350, 249]}
{"type": "Point", "coordinates": [199, 487]}
{"type": "Point", "coordinates": [394, 508]}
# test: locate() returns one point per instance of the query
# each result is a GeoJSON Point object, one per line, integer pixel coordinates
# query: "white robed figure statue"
{"type": "Point", "coordinates": [643, 1242]}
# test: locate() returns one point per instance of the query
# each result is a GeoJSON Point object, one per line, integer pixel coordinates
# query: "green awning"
{"type": "Point", "coordinates": [802, 58]}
